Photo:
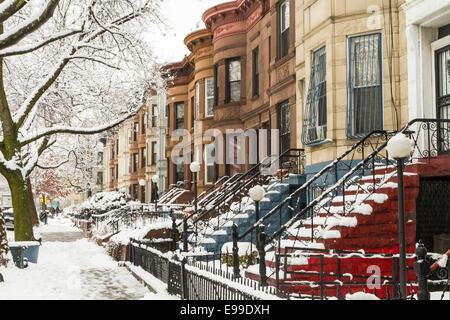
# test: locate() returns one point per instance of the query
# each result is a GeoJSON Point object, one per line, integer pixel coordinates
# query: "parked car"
{"type": "Point", "coordinates": [8, 215]}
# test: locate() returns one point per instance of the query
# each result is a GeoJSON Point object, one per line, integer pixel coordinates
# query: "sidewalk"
{"type": "Point", "coordinates": [70, 267]}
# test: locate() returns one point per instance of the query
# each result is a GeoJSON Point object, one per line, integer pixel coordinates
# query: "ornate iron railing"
{"type": "Point", "coordinates": [367, 168]}
{"type": "Point", "coordinates": [289, 161]}
{"type": "Point", "coordinates": [193, 280]}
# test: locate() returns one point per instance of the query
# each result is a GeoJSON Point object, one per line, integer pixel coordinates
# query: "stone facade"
{"type": "Point", "coordinates": [333, 24]}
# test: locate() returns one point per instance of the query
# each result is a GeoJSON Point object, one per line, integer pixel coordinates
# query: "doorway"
{"type": "Point", "coordinates": [433, 211]}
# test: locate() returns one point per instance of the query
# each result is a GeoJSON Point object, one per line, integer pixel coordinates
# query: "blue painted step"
{"type": "Point", "coordinates": [275, 193]}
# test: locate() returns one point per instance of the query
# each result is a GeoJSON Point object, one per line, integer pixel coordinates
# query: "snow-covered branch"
{"type": "Point", "coordinates": [42, 12]}
{"type": "Point", "coordinates": [9, 7]}
{"type": "Point", "coordinates": [74, 130]}
{"type": "Point", "coordinates": [23, 49]}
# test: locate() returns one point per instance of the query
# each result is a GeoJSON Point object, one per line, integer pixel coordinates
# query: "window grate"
{"type": "Point", "coordinates": [315, 115]}
{"type": "Point", "coordinates": [365, 111]}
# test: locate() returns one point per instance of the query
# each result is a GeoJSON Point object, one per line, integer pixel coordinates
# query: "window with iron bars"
{"type": "Point", "coordinates": [315, 114]}
{"type": "Point", "coordinates": [365, 103]}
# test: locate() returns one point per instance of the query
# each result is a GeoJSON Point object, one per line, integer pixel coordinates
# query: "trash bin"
{"type": "Point", "coordinates": [17, 252]}
{"type": "Point", "coordinates": [30, 250]}
{"type": "Point", "coordinates": [441, 243]}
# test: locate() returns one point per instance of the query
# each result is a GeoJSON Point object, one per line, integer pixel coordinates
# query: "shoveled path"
{"type": "Point", "coordinates": [70, 267]}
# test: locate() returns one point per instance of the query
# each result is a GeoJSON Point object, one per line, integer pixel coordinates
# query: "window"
{"type": "Point", "coordinates": [112, 174]}
{"type": "Point", "coordinates": [168, 115]}
{"type": "Point", "coordinates": [99, 158]}
{"type": "Point", "coordinates": [233, 80]}
{"type": "Point", "coordinates": [192, 112]}
{"type": "Point", "coordinates": [210, 163]}
{"type": "Point", "coordinates": [117, 147]}
{"type": "Point", "coordinates": [197, 100]}
{"type": "Point", "coordinates": [136, 131]}
{"type": "Point", "coordinates": [144, 122]}
{"type": "Point", "coordinates": [443, 97]}
{"type": "Point", "coordinates": [179, 115]}
{"type": "Point", "coordinates": [209, 97]}
{"type": "Point", "coordinates": [315, 114]}
{"type": "Point", "coordinates": [143, 157]}
{"type": "Point", "coordinates": [143, 191]}
{"type": "Point", "coordinates": [178, 173]}
{"type": "Point", "coordinates": [130, 135]}
{"type": "Point", "coordinates": [135, 191]}
{"type": "Point", "coordinates": [216, 84]}
{"type": "Point", "coordinates": [112, 151]}
{"type": "Point", "coordinates": [129, 165]}
{"type": "Point", "coordinates": [99, 178]}
{"type": "Point", "coordinates": [284, 125]}
{"type": "Point", "coordinates": [284, 28]}
{"type": "Point", "coordinates": [154, 115]}
{"type": "Point", "coordinates": [365, 112]}
{"type": "Point", "coordinates": [135, 161]}
{"type": "Point", "coordinates": [154, 152]}
{"type": "Point", "coordinates": [255, 71]}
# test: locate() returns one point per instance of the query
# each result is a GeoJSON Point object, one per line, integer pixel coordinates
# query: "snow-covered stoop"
{"type": "Point", "coordinates": [372, 227]}
{"type": "Point", "coordinates": [213, 234]}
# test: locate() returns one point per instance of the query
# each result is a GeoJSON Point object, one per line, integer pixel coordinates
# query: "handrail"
{"type": "Point", "coordinates": [327, 169]}
{"type": "Point", "coordinates": [349, 174]}
{"type": "Point", "coordinates": [210, 189]}
{"type": "Point", "coordinates": [225, 196]}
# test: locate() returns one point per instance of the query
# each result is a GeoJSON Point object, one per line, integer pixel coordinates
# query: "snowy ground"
{"type": "Point", "coordinates": [68, 269]}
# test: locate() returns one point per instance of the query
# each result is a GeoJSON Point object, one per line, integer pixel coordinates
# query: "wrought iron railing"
{"type": "Point", "coordinates": [289, 161]}
{"type": "Point", "coordinates": [367, 168]}
{"type": "Point", "coordinates": [193, 280]}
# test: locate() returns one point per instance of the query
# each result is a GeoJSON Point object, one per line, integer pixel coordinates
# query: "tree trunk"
{"type": "Point", "coordinates": [23, 226]}
{"type": "Point", "coordinates": [33, 212]}
{"type": "Point", "coordinates": [4, 249]}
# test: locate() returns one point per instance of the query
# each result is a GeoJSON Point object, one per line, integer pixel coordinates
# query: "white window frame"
{"type": "Point", "coordinates": [197, 100]}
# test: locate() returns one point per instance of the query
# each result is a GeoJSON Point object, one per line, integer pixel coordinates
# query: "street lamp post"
{"type": "Point", "coordinates": [195, 169]}
{"type": "Point", "coordinates": [155, 180]}
{"type": "Point", "coordinates": [142, 184]}
{"type": "Point", "coordinates": [399, 148]}
{"type": "Point", "coordinates": [256, 193]}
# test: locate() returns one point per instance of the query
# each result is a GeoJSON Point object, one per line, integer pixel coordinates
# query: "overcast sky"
{"type": "Point", "coordinates": [182, 17]}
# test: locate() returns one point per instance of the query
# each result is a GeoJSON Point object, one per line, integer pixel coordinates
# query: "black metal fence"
{"type": "Point", "coordinates": [332, 278]}
{"type": "Point", "coordinates": [192, 279]}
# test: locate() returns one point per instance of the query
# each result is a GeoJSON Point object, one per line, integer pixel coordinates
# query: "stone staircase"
{"type": "Point", "coordinates": [214, 233]}
{"type": "Point", "coordinates": [359, 219]}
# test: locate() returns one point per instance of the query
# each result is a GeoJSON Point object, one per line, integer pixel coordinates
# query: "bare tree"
{"type": "Point", "coordinates": [68, 67]}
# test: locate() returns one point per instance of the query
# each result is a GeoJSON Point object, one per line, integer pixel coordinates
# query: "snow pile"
{"type": "Point", "coordinates": [244, 248]}
{"type": "Point", "coordinates": [443, 261]}
{"type": "Point", "coordinates": [56, 225]}
{"type": "Point", "coordinates": [102, 202]}
{"type": "Point", "coordinates": [157, 285]}
{"type": "Point", "coordinates": [361, 296]}
{"type": "Point", "coordinates": [78, 270]}
{"type": "Point", "coordinates": [124, 236]}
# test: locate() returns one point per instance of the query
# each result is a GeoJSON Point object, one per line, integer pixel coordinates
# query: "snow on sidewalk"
{"type": "Point", "coordinates": [78, 270]}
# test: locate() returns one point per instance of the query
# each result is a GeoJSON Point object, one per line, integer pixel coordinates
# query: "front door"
{"type": "Point", "coordinates": [433, 213]}
{"type": "Point", "coordinates": [443, 96]}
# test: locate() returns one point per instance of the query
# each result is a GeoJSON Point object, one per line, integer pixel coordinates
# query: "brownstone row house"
{"type": "Point", "coordinates": [240, 75]}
